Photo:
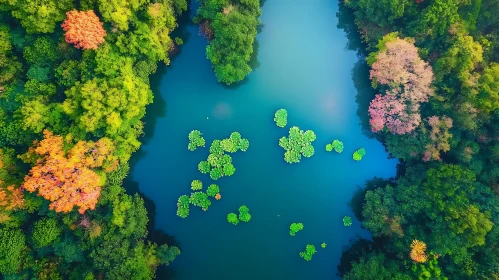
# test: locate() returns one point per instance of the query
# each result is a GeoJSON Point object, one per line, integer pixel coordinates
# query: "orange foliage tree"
{"type": "Point", "coordinates": [67, 178]}
{"type": "Point", "coordinates": [418, 253]}
{"type": "Point", "coordinates": [83, 29]}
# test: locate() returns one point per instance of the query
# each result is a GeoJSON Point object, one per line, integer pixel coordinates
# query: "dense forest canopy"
{"type": "Point", "coordinates": [74, 84]}
{"type": "Point", "coordinates": [434, 67]}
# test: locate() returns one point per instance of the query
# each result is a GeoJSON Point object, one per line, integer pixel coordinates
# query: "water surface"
{"type": "Point", "coordinates": [305, 67]}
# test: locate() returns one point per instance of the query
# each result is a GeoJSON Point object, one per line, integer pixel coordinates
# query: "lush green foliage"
{"type": "Point", "coordinates": [183, 205]}
{"type": "Point", "coordinates": [336, 145]}
{"type": "Point", "coordinates": [244, 215]}
{"type": "Point", "coordinates": [232, 218]}
{"type": "Point", "coordinates": [359, 154]}
{"type": "Point", "coordinates": [447, 185]}
{"type": "Point", "coordinates": [294, 228]}
{"type": "Point", "coordinates": [90, 104]}
{"type": "Point", "coordinates": [347, 221]}
{"type": "Point", "coordinates": [196, 185]}
{"type": "Point", "coordinates": [308, 253]}
{"type": "Point", "coordinates": [218, 163]}
{"type": "Point", "coordinates": [298, 143]}
{"type": "Point", "coordinates": [200, 199]}
{"type": "Point", "coordinates": [281, 117]}
{"type": "Point", "coordinates": [231, 26]}
{"type": "Point", "coordinates": [196, 140]}
{"type": "Point", "coordinates": [323, 245]}
{"type": "Point", "coordinates": [213, 190]}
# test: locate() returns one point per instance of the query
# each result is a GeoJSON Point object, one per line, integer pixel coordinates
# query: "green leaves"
{"type": "Point", "coordinates": [195, 140]}
{"type": "Point", "coordinates": [308, 253]}
{"type": "Point", "coordinates": [323, 245]}
{"type": "Point", "coordinates": [338, 146]}
{"type": "Point", "coordinates": [297, 144]}
{"type": "Point", "coordinates": [213, 190]}
{"type": "Point", "coordinates": [183, 206]}
{"type": "Point", "coordinates": [232, 218]}
{"type": "Point", "coordinates": [244, 214]}
{"type": "Point", "coordinates": [219, 164]}
{"type": "Point", "coordinates": [200, 199]}
{"type": "Point", "coordinates": [359, 154]}
{"type": "Point", "coordinates": [347, 221]}
{"type": "Point", "coordinates": [329, 147]}
{"type": "Point", "coordinates": [45, 232]}
{"type": "Point", "coordinates": [294, 228]}
{"type": "Point", "coordinates": [196, 185]}
{"type": "Point", "coordinates": [281, 117]}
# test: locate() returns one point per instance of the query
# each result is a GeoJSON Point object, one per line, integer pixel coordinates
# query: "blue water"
{"type": "Point", "coordinates": [305, 67]}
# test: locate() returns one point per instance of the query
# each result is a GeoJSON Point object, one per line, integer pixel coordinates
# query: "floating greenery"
{"type": "Point", "coordinates": [195, 140]}
{"type": "Point", "coordinates": [200, 199]}
{"type": "Point", "coordinates": [337, 146]}
{"type": "Point", "coordinates": [323, 245]}
{"type": "Point", "coordinates": [347, 221]}
{"type": "Point", "coordinates": [281, 117]}
{"type": "Point", "coordinates": [212, 190]}
{"type": "Point", "coordinates": [308, 253]}
{"type": "Point", "coordinates": [298, 143]}
{"type": "Point", "coordinates": [183, 206]}
{"type": "Point", "coordinates": [196, 185]}
{"type": "Point", "coordinates": [359, 154]}
{"type": "Point", "coordinates": [294, 228]}
{"type": "Point", "coordinates": [232, 218]}
{"type": "Point", "coordinates": [219, 164]}
{"type": "Point", "coordinates": [244, 214]}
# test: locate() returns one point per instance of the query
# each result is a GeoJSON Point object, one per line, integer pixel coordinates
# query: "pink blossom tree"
{"type": "Point", "coordinates": [408, 80]}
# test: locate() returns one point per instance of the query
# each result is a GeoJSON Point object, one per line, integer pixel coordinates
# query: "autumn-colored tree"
{"type": "Point", "coordinates": [407, 79]}
{"type": "Point", "coordinates": [418, 253]}
{"type": "Point", "coordinates": [66, 178]}
{"type": "Point", "coordinates": [439, 136]}
{"type": "Point", "coordinates": [83, 29]}
{"type": "Point", "coordinates": [11, 195]}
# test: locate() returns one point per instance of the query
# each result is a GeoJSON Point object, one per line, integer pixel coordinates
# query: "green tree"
{"type": "Point", "coordinates": [294, 228]}
{"type": "Point", "coordinates": [12, 245]}
{"type": "Point", "coordinates": [45, 232]}
{"type": "Point", "coordinates": [232, 218]}
{"type": "Point", "coordinates": [308, 253]}
{"type": "Point", "coordinates": [212, 190]}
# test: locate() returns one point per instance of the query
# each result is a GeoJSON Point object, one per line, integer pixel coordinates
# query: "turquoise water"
{"type": "Point", "coordinates": [303, 66]}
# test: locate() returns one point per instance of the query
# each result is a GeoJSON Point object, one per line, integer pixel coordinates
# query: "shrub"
{"type": "Point", "coordinates": [200, 199]}
{"type": "Point", "coordinates": [294, 228]}
{"type": "Point", "coordinates": [195, 140]}
{"type": "Point", "coordinates": [232, 218]}
{"type": "Point", "coordinates": [183, 206]}
{"type": "Point", "coordinates": [281, 117]}
{"type": "Point", "coordinates": [347, 221]}
{"type": "Point", "coordinates": [329, 147]}
{"type": "Point", "coordinates": [359, 154]}
{"type": "Point", "coordinates": [213, 190]}
{"type": "Point", "coordinates": [308, 253]}
{"type": "Point", "coordinates": [196, 185]}
{"type": "Point", "coordinates": [338, 146]}
{"type": "Point", "coordinates": [298, 143]}
{"type": "Point", "coordinates": [244, 214]}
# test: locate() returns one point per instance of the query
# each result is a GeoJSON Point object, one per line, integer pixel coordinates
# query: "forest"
{"type": "Point", "coordinates": [74, 85]}
{"type": "Point", "coordinates": [434, 68]}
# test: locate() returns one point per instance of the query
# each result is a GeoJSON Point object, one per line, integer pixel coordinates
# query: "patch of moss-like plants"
{"type": "Point", "coordinates": [294, 228]}
{"type": "Point", "coordinates": [297, 144]}
{"type": "Point", "coordinates": [281, 117]}
{"type": "Point", "coordinates": [196, 185]}
{"type": "Point", "coordinates": [359, 154]}
{"type": "Point", "coordinates": [323, 245]}
{"type": "Point", "coordinates": [232, 218]}
{"type": "Point", "coordinates": [308, 253]}
{"type": "Point", "coordinates": [213, 190]}
{"type": "Point", "coordinates": [200, 199]}
{"type": "Point", "coordinates": [219, 164]}
{"type": "Point", "coordinates": [347, 221]}
{"type": "Point", "coordinates": [183, 206]}
{"type": "Point", "coordinates": [244, 215]}
{"type": "Point", "coordinates": [195, 140]}
{"type": "Point", "coordinates": [337, 146]}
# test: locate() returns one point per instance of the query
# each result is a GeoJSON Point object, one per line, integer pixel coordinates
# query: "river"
{"type": "Point", "coordinates": [303, 65]}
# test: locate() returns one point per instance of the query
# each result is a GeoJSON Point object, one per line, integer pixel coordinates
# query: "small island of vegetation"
{"type": "Point", "coordinates": [294, 228]}
{"type": "Point", "coordinates": [359, 154]}
{"type": "Point", "coordinates": [298, 143]}
{"type": "Point", "coordinates": [281, 117]}
{"type": "Point", "coordinates": [196, 140]}
{"type": "Point", "coordinates": [308, 253]}
{"type": "Point", "coordinates": [337, 146]}
{"type": "Point", "coordinates": [231, 27]}
{"type": "Point", "coordinates": [232, 218]}
{"type": "Point", "coordinates": [347, 221]}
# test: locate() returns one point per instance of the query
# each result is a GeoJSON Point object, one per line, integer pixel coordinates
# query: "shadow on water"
{"type": "Point", "coordinates": [346, 22]}
{"type": "Point", "coordinates": [365, 93]}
